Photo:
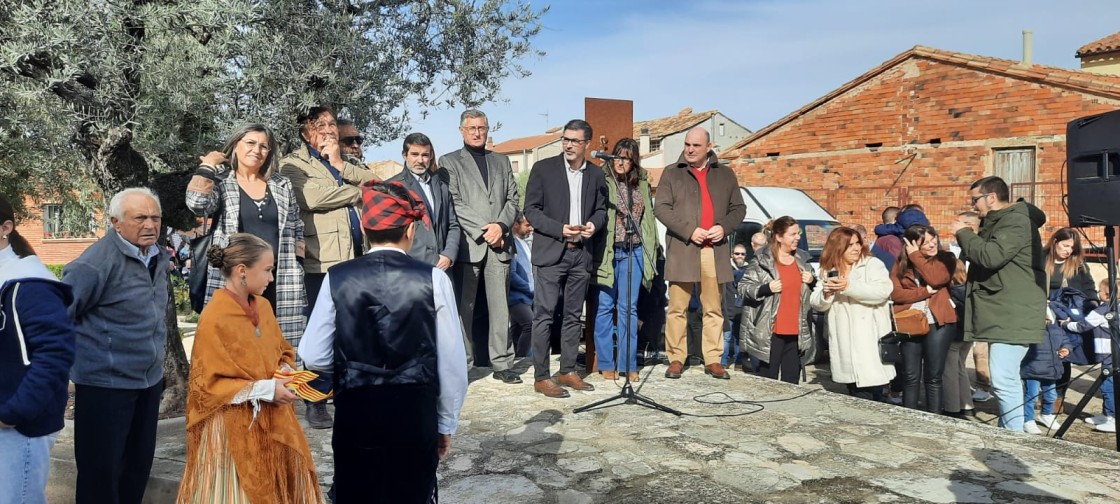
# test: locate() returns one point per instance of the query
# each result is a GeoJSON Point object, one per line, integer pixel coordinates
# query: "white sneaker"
{"type": "Point", "coordinates": [1031, 428]}
{"type": "Point", "coordinates": [1096, 420]}
{"type": "Point", "coordinates": [981, 395]}
{"type": "Point", "coordinates": [1048, 421]}
{"type": "Point", "coordinates": [1109, 426]}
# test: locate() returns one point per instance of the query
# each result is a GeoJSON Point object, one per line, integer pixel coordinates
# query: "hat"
{"type": "Point", "coordinates": [382, 210]}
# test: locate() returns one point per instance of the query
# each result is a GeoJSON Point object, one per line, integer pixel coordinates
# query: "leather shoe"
{"type": "Point", "coordinates": [573, 381]}
{"type": "Point", "coordinates": [717, 371]}
{"type": "Point", "coordinates": [317, 415]}
{"type": "Point", "coordinates": [550, 388]}
{"type": "Point", "coordinates": [674, 370]}
{"type": "Point", "coordinates": [507, 376]}
{"type": "Point", "coordinates": [610, 375]}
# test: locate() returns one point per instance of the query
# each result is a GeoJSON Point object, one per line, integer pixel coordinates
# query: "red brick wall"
{"type": "Point", "coordinates": [825, 152]}
{"type": "Point", "coordinates": [50, 251]}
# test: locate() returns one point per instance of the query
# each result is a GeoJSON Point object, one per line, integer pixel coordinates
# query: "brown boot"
{"type": "Point", "coordinates": [674, 370]}
{"type": "Point", "coordinates": [716, 371]}
{"type": "Point", "coordinates": [573, 381]}
{"type": "Point", "coordinates": [550, 388]}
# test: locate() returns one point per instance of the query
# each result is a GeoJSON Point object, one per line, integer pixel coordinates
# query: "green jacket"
{"type": "Point", "coordinates": [604, 247]}
{"type": "Point", "coordinates": [1005, 301]}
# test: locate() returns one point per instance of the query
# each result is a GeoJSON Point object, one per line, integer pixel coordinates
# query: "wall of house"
{"type": "Point", "coordinates": [50, 250]}
{"type": "Point", "coordinates": [673, 145]}
{"type": "Point", "coordinates": [939, 127]}
{"type": "Point", "coordinates": [523, 161]}
{"type": "Point", "coordinates": [1106, 64]}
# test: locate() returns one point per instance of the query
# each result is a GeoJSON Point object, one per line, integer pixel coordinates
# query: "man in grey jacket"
{"type": "Point", "coordinates": [438, 244]}
{"type": "Point", "coordinates": [485, 197]}
{"type": "Point", "coordinates": [119, 309]}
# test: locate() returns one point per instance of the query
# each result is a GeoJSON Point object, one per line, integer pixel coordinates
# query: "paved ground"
{"type": "Point", "coordinates": [743, 440]}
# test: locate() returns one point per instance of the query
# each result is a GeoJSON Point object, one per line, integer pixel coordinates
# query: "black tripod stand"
{"type": "Point", "coordinates": [628, 394]}
{"type": "Point", "coordinates": [1114, 331]}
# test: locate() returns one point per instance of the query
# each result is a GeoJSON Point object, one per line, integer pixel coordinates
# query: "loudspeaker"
{"type": "Point", "coordinates": [1093, 170]}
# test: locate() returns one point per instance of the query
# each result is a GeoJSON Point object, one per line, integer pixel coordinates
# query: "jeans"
{"type": "Point", "coordinates": [924, 358]}
{"type": "Point", "coordinates": [24, 465]}
{"type": "Point", "coordinates": [731, 353]}
{"type": "Point", "coordinates": [1107, 392]}
{"type": "Point", "coordinates": [1049, 395]}
{"type": "Point", "coordinates": [1004, 360]}
{"type": "Point", "coordinates": [623, 295]}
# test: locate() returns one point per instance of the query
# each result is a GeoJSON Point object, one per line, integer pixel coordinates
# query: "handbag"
{"type": "Point", "coordinates": [912, 322]}
{"type": "Point", "coordinates": [890, 351]}
{"type": "Point", "coordinates": [200, 264]}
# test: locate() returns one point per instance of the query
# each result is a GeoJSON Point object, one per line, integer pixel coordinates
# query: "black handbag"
{"type": "Point", "coordinates": [890, 351]}
{"type": "Point", "coordinates": [200, 264]}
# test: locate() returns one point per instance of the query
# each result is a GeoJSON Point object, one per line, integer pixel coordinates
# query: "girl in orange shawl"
{"type": "Point", "coordinates": [244, 443]}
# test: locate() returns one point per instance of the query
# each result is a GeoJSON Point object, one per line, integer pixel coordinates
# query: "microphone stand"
{"type": "Point", "coordinates": [627, 393]}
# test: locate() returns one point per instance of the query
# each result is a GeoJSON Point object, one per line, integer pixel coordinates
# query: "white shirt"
{"type": "Point", "coordinates": [317, 346]}
{"type": "Point", "coordinates": [575, 193]}
{"type": "Point", "coordinates": [426, 185]}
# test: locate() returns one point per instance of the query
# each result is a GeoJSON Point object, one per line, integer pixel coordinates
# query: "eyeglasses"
{"type": "Point", "coordinates": [628, 160]}
{"type": "Point", "coordinates": [352, 140]}
{"type": "Point", "coordinates": [977, 198]}
{"type": "Point", "coordinates": [475, 129]}
{"type": "Point", "coordinates": [739, 253]}
{"type": "Point", "coordinates": [576, 141]}
{"type": "Point", "coordinates": [325, 125]}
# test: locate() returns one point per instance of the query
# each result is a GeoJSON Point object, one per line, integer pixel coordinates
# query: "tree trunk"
{"type": "Point", "coordinates": [176, 368]}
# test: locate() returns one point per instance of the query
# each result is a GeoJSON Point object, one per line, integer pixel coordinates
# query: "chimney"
{"type": "Point", "coordinates": [489, 143]}
{"type": "Point", "coordinates": [643, 142]}
{"type": "Point", "coordinates": [1028, 50]}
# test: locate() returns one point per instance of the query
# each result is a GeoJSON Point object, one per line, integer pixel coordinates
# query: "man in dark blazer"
{"type": "Point", "coordinates": [565, 199]}
{"type": "Point", "coordinates": [485, 197]}
{"type": "Point", "coordinates": [439, 245]}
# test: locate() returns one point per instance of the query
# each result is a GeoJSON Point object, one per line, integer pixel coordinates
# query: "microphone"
{"type": "Point", "coordinates": [604, 156]}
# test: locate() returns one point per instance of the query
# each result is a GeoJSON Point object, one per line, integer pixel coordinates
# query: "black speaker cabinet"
{"type": "Point", "coordinates": [1093, 170]}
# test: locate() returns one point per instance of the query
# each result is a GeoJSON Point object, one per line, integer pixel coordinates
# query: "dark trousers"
{"type": "Point", "coordinates": [924, 358]}
{"type": "Point", "coordinates": [570, 277]}
{"type": "Point", "coordinates": [785, 359]}
{"type": "Point", "coordinates": [385, 444]}
{"type": "Point", "coordinates": [521, 328]}
{"type": "Point", "coordinates": [114, 442]}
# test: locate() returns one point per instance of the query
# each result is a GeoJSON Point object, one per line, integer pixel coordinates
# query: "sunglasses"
{"type": "Point", "coordinates": [352, 140]}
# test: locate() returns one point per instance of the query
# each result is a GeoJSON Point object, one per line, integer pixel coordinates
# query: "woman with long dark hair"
{"type": "Point", "coordinates": [242, 187]}
{"type": "Point", "coordinates": [855, 295]}
{"type": "Point", "coordinates": [1066, 268]}
{"type": "Point", "coordinates": [921, 280]}
{"type": "Point", "coordinates": [36, 352]}
{"type": "Point", "coordinates": [775, 290]}
{"type": "Point", "coordinates": [624, 260]}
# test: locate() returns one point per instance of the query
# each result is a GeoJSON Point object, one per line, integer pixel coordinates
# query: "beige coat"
{"type": "Point", "coordinates": [857, 318]}
{"type": "Point", "coordinates": [323, 207]}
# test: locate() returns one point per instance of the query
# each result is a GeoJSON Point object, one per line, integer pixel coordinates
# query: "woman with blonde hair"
{"type": "Point", "coordinates": [775, 290]}
{"type": "Point", "coordinates": [244, 442]}
{"type": "Point", "coordinates": [855, 294]}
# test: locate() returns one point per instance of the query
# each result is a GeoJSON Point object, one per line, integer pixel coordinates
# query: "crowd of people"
{"type": "Point", "coordinates": [324, 283]}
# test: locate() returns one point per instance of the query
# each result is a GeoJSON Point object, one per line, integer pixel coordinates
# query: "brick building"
{"type": "Point", "coordinates": [42, 229]}
{"type": "Point", "coordinates": [921, 127]}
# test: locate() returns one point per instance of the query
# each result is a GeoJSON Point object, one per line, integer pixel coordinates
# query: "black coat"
{"type": "Point", "coordinates": [547, 202]}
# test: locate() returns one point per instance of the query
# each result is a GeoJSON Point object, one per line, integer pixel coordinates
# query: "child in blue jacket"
{"type": "Point", "coordinates": [1096, 323]}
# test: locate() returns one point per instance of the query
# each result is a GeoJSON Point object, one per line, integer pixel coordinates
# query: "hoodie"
{"type": "Point", "coordinates": [36, 345]}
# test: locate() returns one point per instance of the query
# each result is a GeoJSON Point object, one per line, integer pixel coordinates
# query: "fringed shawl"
{"type": "Point", "coordinates": [272, 459]}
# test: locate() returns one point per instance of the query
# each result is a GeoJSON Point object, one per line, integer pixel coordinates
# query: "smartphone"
{"type": "Point", "coordinates": [833, 274]}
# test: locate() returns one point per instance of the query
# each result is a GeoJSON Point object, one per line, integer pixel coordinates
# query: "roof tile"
{"type": "Point", "coordinates": [1108, 44]}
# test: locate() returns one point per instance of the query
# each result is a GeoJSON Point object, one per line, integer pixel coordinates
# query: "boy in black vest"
{"type": "Point", "coordinates": [388, 327]}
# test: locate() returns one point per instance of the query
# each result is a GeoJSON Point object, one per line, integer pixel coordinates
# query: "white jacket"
{"type": "Point", "coordinates": [857, 318]}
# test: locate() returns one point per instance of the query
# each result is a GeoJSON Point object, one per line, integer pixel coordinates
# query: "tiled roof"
{"type": "Point", "coordinates": [385, 169]}
{"type": "Point", "coordinates": [1107, 86]}
{"type": "Point", "coordinates": [665, 126]}
{"type": "Point", "coordinates": [525, 143]}
{"type": "Point", "coordinates": [1108, 44]}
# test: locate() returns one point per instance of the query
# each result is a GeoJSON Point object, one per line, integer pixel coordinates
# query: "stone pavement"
{"type": "Point", "coordinates": [779, 443]}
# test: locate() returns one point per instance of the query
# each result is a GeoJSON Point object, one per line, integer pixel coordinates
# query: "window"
{"type": "Point", "coordinates": [52, 221]}
{"type": "Point", "coordinates": [1017, 168]}
{"type": "Point", "coordinates": [654, 145]}
{"type": "Point", "coordinates": [514, 163]}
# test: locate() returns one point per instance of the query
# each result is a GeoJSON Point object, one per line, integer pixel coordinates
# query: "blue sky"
{"type": "Point", "coordinates": [755, 61]}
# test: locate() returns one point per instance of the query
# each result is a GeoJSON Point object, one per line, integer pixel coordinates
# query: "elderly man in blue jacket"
{"type": "Point", "coordinates": [119, 310]}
